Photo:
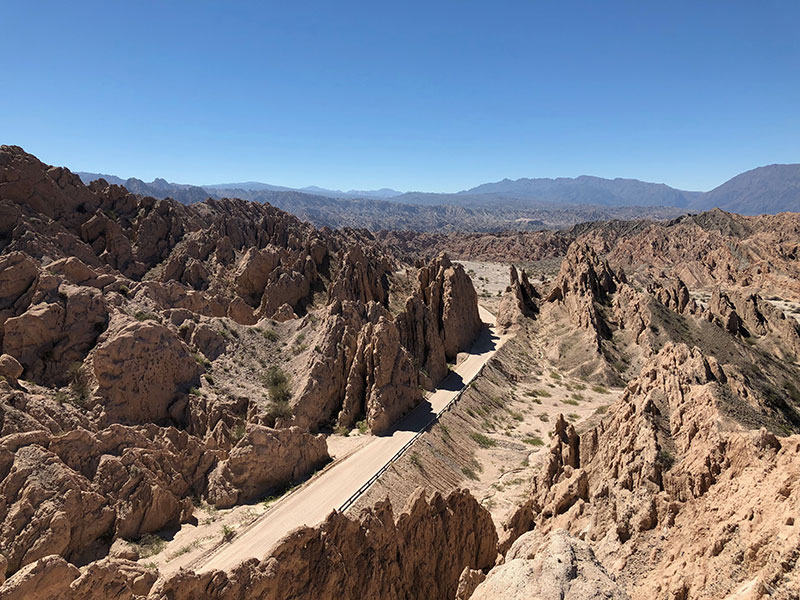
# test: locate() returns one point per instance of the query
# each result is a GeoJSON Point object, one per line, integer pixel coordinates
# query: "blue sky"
{"type": "Point", "coordinates": [435, 96]}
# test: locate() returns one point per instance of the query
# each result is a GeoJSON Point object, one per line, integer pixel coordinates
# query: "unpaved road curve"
{"type": "Point", "coordinates": [312, 503]}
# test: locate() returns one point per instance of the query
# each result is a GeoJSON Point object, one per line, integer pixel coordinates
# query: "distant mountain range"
{"type": "Point", "coordinates": [507, 204]}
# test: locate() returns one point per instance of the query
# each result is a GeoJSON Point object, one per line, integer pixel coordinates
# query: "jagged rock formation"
{"type": "Point", "coordinates": [120, 326]}
{"type": "Point", "coordinates": [583, 281]}
{"type": "Point", "coordinates": [140, 368]}
{"type": "Point", "coordinates": [674, 295]}
{"type": "Point", "coordinates": [749, 315]}
{"type": "Point", "coordinates": [641, 480]}
{"type": "Point", "coordinates": [366, 362]}
{"type": "Point", "coordinates": [447, 290]}
{"type": "Point", "coordinates": [53, 578]}
{"type": "Point", "coordinates": [519, 300]}
{"type": "Point", "coordinates": [418, 554]}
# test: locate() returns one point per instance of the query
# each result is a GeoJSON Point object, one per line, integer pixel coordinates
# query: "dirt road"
{"type": "Point", "coordinates": [313, 502]}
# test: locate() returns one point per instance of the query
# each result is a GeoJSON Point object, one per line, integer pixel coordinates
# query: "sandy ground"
{"type": "Point", "coordinates": [221, 539]}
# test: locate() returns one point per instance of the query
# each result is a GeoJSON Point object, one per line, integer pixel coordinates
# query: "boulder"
{"type": "Point", "coordinates": [10, 367]}
{"type": "Point", "coordinates": [141, 368]}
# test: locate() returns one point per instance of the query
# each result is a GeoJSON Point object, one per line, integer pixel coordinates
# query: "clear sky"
{"type": "Point", "coordinates": [434, 96]}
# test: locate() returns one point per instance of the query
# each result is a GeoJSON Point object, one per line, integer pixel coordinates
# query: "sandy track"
{"type": "Point", "coordinates": [312, 503]}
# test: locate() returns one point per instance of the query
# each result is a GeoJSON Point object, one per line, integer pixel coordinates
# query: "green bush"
{"type": "Point", "coordinates": [150, 545]}
{"type": "Point", "coordinates": [142, 315]}
{"type": "Point", "coordinates": [482, 440]}
{"type": "Point", "coordinates": [469, 473]}
{"type": "Point", "coordinates": [228, 533]}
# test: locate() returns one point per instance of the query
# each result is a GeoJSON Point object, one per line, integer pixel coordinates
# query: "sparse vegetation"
{"type": "Point", "coordinates": [569, 401]}
{"type": "Point", "coordinates": [149, 545]}
{"type": "Point", "coordinates": [270, 335]}
{"type": "Point", "coordinates": [534, 441]}
{"type": "Point", "coordinates": [469, 473]}
{"type": "Point", "coordinates": [666, 459]}
{"type": "Point", "coordinates": [416, 461]}
{"type": "Point", "coordinates": [599, 389]}
{"type": "Point", "coordinates": [228, 533]}
{"type": "Point", "coordinates": [237, 433]}
{"type": "Point", "coordinates": [200, 359]}
{"type": "Point", "coordinates": [362, 426]}
{"type": "Point", "coordinates": [539, 393]}
{"type": "Point", "coordinates": [142, 315]}
{"type": "Point", "coordinates": [78, 384]}
{"type": "Point", "coordinates": [185, 549]}
{"type": "Point", "coordinates": [482, 440]}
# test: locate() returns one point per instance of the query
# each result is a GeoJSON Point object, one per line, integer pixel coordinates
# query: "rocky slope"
{"type": "Point", "coordinates": [155, 356]}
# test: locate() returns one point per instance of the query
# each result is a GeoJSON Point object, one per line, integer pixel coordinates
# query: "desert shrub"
{"type": "Point", "coordinates": [142, 315]}
{"type": "Point", "coordinates": [150, 545]}
{"type": "Point", "coordinates": [278, 410]}
{"type": "Point", "coordinates": [78, 383]}
{"type": "Point", "coordinates": [469, 473]}
{"type": "Point", "coordinates": [666, 459]}
{"type": "Point", "coordinates": [237, 432]}
{"type": "Point", "coordinates": [228, 533]}
{"type": "Point", "coordinates": [534, 441]}
{"type": "Point", "coordinates": [482, 440]}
